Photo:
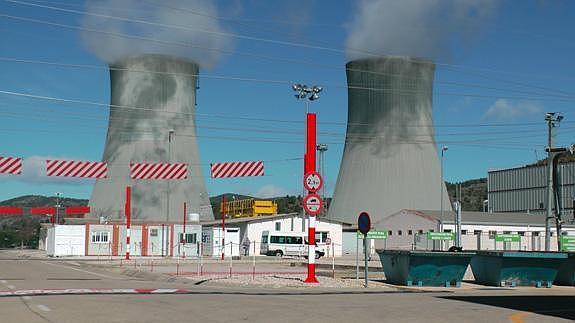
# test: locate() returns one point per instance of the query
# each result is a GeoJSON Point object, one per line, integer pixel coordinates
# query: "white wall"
{"type": "Point", "coordinates": [212, 241]}
{"type": "Point", "coordinates": [66, 240]}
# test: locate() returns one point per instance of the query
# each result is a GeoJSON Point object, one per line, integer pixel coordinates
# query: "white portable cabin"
{"type": "Point", "coordinates": [212, 242]}
{"type": "Point", "coordinates": [66, 240]}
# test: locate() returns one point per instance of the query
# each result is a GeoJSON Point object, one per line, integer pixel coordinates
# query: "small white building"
{"type": "Point", "coordinates": [146, 239]}
{"type": "Point", "coordinates": [65, 240]}
{"type": "Point", "coordinates": [250, 229]}
{"type": "Point", "coordinates": [212, 242]}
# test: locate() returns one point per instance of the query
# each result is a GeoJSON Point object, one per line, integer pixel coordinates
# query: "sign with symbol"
{"type": "Point", "coordinates": [312, 181]}
{"type": "Point", "coordinates": [328, 241]}
{"type": "Point", "coordinates": [363, 223]}
{"type": "Point", "coordinates": [312, 204]}
{"type": "Point", "coordinates": [450, 236]}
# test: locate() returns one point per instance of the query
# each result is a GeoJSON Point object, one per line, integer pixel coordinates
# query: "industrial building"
{"type": "Point", "coordinates": [390, 159]}
{"type": "Point", "coordinates": [408, 229]}
{"type": "Point", "coordinates": [524, 189]}
{"type": "Point", "coordinates": [152, 119]}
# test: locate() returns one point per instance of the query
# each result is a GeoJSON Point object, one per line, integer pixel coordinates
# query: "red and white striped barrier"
{"type": "Point", "coordinates": [10, 165]}
{"type": "Point", "coordinates": [76, 168]}
{"type": "Point", "coordinates": [237, 169]}
{"type": "Point", "coordinates": [158, 171]}
{"type": "Point", "coordinates": [89, 291]}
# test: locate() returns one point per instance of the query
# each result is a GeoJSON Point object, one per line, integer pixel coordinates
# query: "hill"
{"type": "Point", "coordinates": [473, 193]}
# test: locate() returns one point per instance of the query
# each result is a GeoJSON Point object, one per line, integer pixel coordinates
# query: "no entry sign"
{"type": "Point", "coordinates": [312, 204]}
{"type": "Point", "coordinates": [312, 181]}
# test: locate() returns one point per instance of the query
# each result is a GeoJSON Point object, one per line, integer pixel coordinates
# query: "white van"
{"type": "Point", "coordinates": [286, 244]}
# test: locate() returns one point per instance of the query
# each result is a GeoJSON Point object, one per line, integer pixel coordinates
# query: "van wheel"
{"type": "Point", "coordinates": [278, 253]}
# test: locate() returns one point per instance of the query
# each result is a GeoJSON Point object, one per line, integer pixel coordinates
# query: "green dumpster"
{"type": "Point", "coordinates": [424, 268]}
{"type": "Point", "coordinates": [566, 273]}
{"type": "Point", "coordinates": [516, 268]}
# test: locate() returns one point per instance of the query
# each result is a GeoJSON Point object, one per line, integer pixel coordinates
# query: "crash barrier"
{"type": "Point", "coordinates": [424, 268]}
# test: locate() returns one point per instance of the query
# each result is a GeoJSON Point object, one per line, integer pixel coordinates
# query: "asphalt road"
{"type": "Point", "coordinates": [214, 303]}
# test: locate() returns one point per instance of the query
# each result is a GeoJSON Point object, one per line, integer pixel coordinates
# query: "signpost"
{"type": "Point", "coordinates": [567, 243]}
{"type": "Point", "coordinates": [312, 204]}
{"type": "Point", "coordinates": [313, 181]}
{"type": "Point", "coordinates": [364, 225]}
{"type": "Point", "coordinates": [507, 238]}
{"type": "Point", "coordinates": [441, 236]}
{"type": "Point", "coordinates": [374, 234]}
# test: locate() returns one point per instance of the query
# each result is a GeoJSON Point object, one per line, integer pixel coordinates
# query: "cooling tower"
{"type": "Point", "coordinates": [390, 160]}
{"type": "Point", "coordinates": [150, 96]}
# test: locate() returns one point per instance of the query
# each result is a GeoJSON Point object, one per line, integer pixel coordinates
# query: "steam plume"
{"type": "Point", "coordinates": [423, 28]}
{"type": "Point", "coordinates": [194, 18]}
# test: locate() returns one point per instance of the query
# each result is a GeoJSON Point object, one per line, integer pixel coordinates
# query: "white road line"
{"type": "Point", "coordinates": [43, 308]}
{"type": "Point", "coordinates": [11, 286]}
{"type": "Point", "coordinates": [80, 270]}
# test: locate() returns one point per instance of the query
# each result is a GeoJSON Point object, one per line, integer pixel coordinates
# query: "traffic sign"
{"type": "Point", "coordinates": [312, 181]}
{"type": "Point", "coordinates": [328, 241]}
{"type": "Point", "coordinates": [312, 204]}
{"type": "Point", "coordinates": [440, 236]}
{"type": "Point", "coordinates": [373, 234]}
{"type": "Point", "coordinates": [507, 237]}
{"type": "Point", "coordinates": [567, 243]}
{"type": "Point", "coordinates": [363, 223]}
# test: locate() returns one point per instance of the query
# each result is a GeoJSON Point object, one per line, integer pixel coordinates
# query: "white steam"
{"type": "Point", "coordinates": [184, 28]}
{"type": "Point", "coordinates": [422, 28]}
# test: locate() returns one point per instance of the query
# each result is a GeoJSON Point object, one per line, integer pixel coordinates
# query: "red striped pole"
{"type": "Point", "coordinates": [128, 211]}
{"type": "Point", "coordinates": [309, 165]}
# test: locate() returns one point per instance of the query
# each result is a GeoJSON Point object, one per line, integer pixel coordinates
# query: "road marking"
{"type": "Point", "coordinates": [43, 308]}
{"type": "Point", "coordinates": [11, 286]}
{"type": "Point", "coordinates": [26, 298]}
{"type": "Point", "coordinates": [3, 281]}
{"type": "Point", "coordinates": [518, 317]}
{"type": "Point", "coordinates": [80, 270]}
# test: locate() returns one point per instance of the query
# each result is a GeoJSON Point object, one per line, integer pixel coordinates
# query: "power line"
{"type": "Point", "coordinates": [279, 42]}
{"type": "Point", "coordinates": [236, 117]}
{"type": "Point", "coordinates": [283, 82]}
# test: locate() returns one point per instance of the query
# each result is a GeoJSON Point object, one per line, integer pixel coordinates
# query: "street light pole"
{"type": "Point", "coordinates": [56, 215]}
{"type": "Point", "coordinates": [443, 150]}
{"type": "Point", "coordinates": [553, 119]}
{"type": "Point", "coordinates": [170, 134]}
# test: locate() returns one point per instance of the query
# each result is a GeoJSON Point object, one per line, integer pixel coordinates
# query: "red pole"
{"type": "Point", "coordinates": [128, 211]}
{"type": "Point", "coordinates": [223, 225]}
{"type": "Point", "coordinates": [309, 159]}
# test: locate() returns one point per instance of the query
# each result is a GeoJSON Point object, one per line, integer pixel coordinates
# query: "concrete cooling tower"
{"type": "Point", "coordinates": [152, 119]}
{"type": "Point", "coordinates": [390, 159]}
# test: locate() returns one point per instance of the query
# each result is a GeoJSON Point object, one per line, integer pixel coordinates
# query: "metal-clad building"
{"type": "Point", "coordinates": [524, 189]}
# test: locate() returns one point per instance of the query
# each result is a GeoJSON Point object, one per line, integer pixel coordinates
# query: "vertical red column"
{"type": "Point", "coordinates": [309, 166]}
{"type": "Point", "coordinates": [145, 241]}
{"type": "Point", "coordinates": [128, 211]}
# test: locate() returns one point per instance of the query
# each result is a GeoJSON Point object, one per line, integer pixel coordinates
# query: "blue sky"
{"type": "Point", "coordinates": [504, 70]}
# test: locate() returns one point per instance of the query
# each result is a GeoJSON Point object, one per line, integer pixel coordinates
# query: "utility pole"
{"type": "Point", "coordinates": [553, 119]}
{"type": "Point", "coordinates": [170, 134]}
{"type": "Point", "coordinates": [443, 150]}
{"type": "Point", "coordinates": [57, 207]}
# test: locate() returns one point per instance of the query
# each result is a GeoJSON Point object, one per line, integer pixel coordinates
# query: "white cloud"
{"type": "Point", "coordinates": [271, 190]}
{"type": "Point", "coordinates": [505, 110]}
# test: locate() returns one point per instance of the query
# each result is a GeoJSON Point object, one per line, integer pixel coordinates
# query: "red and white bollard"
{"type": "Point", "coordinates": [128, 211]}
